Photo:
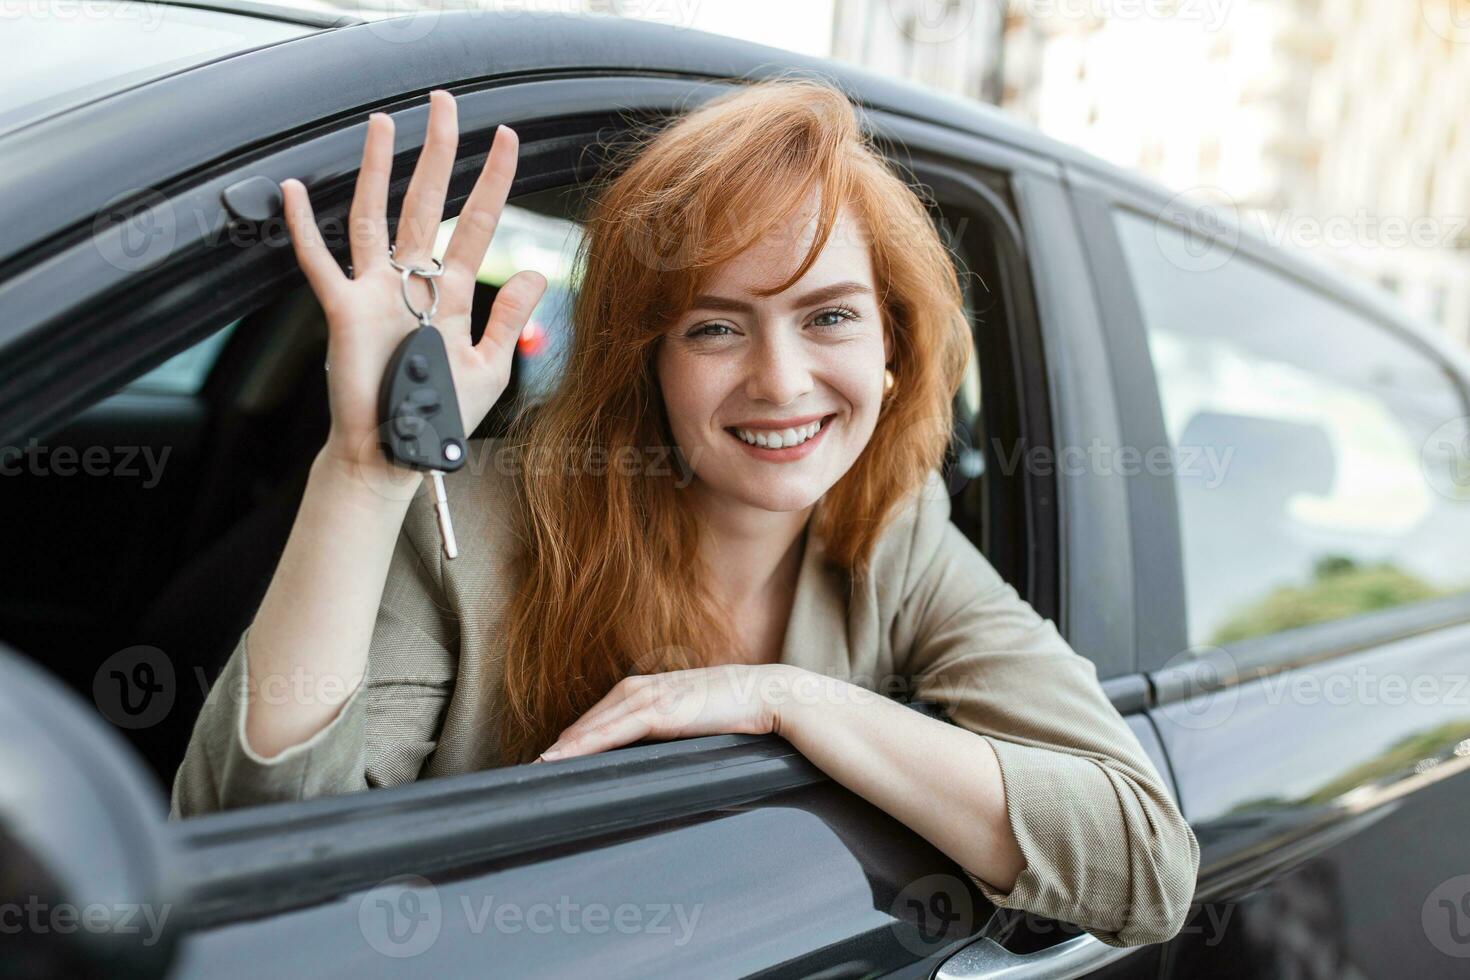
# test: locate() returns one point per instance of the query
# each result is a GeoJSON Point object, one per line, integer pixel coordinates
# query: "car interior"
{"type": "Point", "coordinates": [207, 457]}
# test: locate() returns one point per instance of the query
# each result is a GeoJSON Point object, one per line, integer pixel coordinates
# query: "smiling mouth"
{"type": "Point", "coordinates": [778, 439]}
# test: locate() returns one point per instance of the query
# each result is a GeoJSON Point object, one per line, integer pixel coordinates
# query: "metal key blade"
{"type": "Point", "coordinates": [441, 511]}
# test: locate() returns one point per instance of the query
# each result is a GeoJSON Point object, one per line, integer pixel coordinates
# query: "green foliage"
{"type": "Point", "coordinates": [1340, 587]}
{"type": "Point", "coordinates": [1397, 759]}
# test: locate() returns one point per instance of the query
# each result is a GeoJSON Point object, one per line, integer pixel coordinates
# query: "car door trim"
{"type": "Point", "coordinates": [260, 860]}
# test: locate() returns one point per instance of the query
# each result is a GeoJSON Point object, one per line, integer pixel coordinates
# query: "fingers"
{"type": "Point", "coordinates": [512, 308]}
{"type": "Point", "coordinates": [322, 271]}
{"type": "Point", "coordinates": [423, 205]}
{"type": "Point", "coordinates": [481, 214]}
{"type": "Point", "coordinates": [367, 223]}
{"type": "Point", "coordinates": [627, 729]}
{"type": "Point", "coordinates": [622, 716]}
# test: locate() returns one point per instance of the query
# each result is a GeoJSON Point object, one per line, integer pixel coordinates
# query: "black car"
{"type": "Point", "coordinates": [1234, 478]}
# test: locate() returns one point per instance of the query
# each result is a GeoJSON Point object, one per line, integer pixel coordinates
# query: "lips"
{"type": "Point", "coordinates": [785, 443]}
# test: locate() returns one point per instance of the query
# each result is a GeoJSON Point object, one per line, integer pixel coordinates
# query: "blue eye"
{"type": "Point", "coordinates": [699, 331]}
{"type": "Point", "coordinates": [843, 313]}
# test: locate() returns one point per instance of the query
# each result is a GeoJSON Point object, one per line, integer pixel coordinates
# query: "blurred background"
{"type": "Point", "coordinates": [1334, 126]}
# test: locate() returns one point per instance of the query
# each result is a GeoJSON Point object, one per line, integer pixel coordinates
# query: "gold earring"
{"type": "Point", "coordinates": [888, 381]}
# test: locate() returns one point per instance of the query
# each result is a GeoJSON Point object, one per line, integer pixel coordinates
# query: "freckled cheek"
{"type": "Point", "coordinates": [694, 389]}
{"type": "Point", "coordinates": [858, 381]}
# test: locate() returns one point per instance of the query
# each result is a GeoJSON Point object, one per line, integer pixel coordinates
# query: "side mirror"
{"type": "Point", "coordinates": [84, 884]}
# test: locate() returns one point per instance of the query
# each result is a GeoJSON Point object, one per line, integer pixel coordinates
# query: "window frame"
{"type": "Point", "coordinates": [1164, 648]}
{"type": "Point", "coordinates": [1012, 361]}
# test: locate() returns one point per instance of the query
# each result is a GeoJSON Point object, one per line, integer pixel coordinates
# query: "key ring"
{"type": "Point", "coordinates": [418, 270]}
{"type": "Point", "coordinates": [428, 275]}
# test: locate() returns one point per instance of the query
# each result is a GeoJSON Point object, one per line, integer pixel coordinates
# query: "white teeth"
{"type": "Point", "coordinates": [780, 439]}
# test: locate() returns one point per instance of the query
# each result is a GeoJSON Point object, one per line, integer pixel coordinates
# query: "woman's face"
{"type": "Point", "coordinates": [772, 399]}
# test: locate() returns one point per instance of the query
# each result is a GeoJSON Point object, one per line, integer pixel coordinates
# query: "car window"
{"type": "Point", "coordinates": [528, 239]}
{"type": "Point", "coordinates": [185, 372]}
{"type": "Point", "coordinates": [63, 54]}
{"type": "Point", "coordinates": [1312, 449]}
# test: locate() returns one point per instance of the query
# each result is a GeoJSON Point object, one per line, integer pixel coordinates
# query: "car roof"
{"type": "Point", "coordinates": [66, 167]}
{"type": "Point", "coordinates": [60, 59]}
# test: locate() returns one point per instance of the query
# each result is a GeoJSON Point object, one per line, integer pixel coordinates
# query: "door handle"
{"type": "Point", "coordinates": [986, 959]}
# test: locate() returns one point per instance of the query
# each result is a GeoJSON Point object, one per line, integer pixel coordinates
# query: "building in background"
{"type": "Point", "coordinates": [955, 47]}
{"type": "Point", "coordinates": [1336, 126]}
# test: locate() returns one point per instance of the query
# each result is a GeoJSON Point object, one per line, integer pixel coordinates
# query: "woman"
{"type": "Point", "coordinates": [762, 293]}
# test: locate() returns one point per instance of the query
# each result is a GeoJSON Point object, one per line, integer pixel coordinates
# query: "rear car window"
{"type": "Point", "coordinates": [1315, 452]}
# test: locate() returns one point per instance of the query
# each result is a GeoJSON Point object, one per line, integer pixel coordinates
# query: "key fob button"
{"type": "Point", "coordinates": [418, 367]}
{"type": "Point", "coordinates": [425, 401]}
{"type": "Point", "coordinates": [408, 426]}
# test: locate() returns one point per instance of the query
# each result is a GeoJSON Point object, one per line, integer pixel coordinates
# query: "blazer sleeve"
{"type": "Point", "coordinates": [382, 734]}
{"type": "Point", "coordinates": [1105, 844]}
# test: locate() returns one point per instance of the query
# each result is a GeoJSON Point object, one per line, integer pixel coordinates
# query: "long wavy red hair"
{"type": "Point", "coordinates": [608, 579]}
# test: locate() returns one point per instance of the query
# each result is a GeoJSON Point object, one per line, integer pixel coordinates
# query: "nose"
{"type": "Point", "coordinates": [777, 369]}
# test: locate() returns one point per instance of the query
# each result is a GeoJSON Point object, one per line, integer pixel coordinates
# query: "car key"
{"type": "Point", "coordinates": [418, 415]}
{"type": "Point", "coordinates": [419, 424]}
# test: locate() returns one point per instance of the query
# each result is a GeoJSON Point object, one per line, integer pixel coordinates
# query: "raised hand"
{"type": "Point", "coordinates": [366, 315]}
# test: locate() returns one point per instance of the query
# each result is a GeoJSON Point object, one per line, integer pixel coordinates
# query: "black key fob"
{"type": "Point", "coordinates": [418, 409]}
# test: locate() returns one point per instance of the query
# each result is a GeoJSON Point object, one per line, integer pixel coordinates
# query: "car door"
{"type": "Point", "coordinates": [1309, 598]}
{"type": "Point", "coordinates": [728, 855]}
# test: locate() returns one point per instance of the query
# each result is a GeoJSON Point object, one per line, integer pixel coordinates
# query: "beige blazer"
{"type": "Point", "coordinates": [1105, 844]}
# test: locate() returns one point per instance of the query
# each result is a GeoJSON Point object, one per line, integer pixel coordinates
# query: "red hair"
{"type": "Point", "coordinates": [608, 583]}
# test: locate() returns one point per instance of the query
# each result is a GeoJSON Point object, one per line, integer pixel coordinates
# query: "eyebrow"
{"type": "Point", "coordinates": [820, 295]}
